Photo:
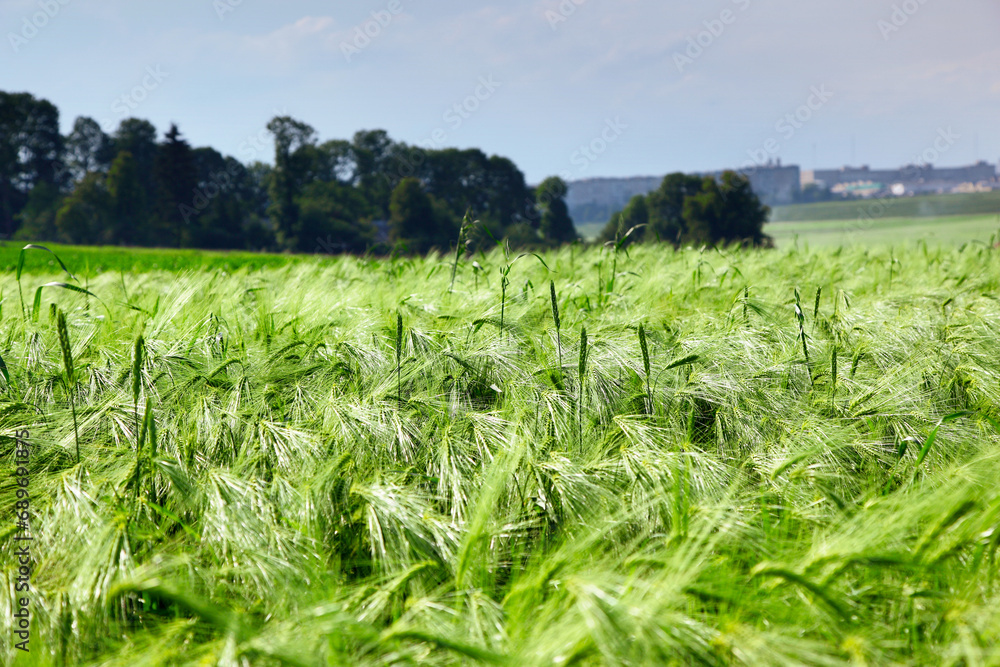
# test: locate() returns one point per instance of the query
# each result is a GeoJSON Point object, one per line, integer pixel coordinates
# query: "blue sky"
{"type": "Point", "coordinates": [579, 88]}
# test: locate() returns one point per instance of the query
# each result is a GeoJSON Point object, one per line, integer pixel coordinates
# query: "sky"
{"type": "Point", "coordinates": [575, 88]}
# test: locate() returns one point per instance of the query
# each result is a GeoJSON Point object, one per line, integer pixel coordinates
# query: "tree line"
{"type": "Point", "coordinates": [693, 210]}
{"type": "Point", "coordinates": [368, 194]}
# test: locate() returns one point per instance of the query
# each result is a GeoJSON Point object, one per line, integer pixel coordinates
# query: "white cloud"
{"type": "Point", "coordinates": [293, 40]}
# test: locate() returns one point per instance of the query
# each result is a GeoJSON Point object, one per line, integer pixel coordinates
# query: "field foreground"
{"type": "Point", "coordinates": [346, 462]}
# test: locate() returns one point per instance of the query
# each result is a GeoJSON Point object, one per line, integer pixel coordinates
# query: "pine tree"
{"type": "Point", "coordinates": [176, 184]}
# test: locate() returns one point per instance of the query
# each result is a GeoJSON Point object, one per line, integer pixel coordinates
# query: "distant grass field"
{"type": "Point", "coordinates": [887, 231]}
{"type": "Point", "coordinates": [98, 259]}
{"type": "Point", "coordinates": [926, 206]}
{"type": "Point", "coordinates": [589, 230]}
{"type": "Point", "coordinates": [703, 457]}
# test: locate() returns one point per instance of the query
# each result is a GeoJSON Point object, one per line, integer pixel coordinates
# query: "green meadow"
{"type": "Point", "coordinates": [949, 230]}
{"type": "Point", "coordinates": [93, 260]}
{"type": "Point", "coordinates": [711, 457]}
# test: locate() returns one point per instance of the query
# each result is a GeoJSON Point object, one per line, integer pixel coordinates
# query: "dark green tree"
{"type": "Point", "coordinates": [556, 225]}
{"type": "Point", "coordinates": [227, 202]}
{"type": "Point", "coordinates": [176, 181]}
{"type": "Point", "coordinates": [258, 230]}
{"type": "Point", "coordinates": [294, 158]}
{"type": "Point", "coordinates": [335, 162]}
{"type": "Point", "coordinates": [634, 218]}
{"type": "Point", "coordinates": [30, 152]}
{"type": "Point", "coordinates": [138, 137]}
{"type": "Point", "coordinates": [506, 192]}
{"type": "Point", "coordinates": [378, 168]}
{"type": "Point", "coordinates": [726, 211]}
{"type": "Point", "coordinates": [417, 220]}
{"type": "Point", "coordinates": [337, 217]}
{"type": "Point", "coordinates": [259, 176]}
{"type": "Point", "coordinates": [85, 214]}
{"type": "Point", "coordinates": [129, 208]}
{"type": "Point", "coordinates": [88, 148]}
{"type": "Point", "coordinates": [666, 207]}
{"type": "Point", "coordinates": [37, 220]}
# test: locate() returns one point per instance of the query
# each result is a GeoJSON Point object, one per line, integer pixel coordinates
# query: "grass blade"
{"type": "Point", "coordinates": [555, 320]}
{"type": "Point", "coordinates": [67, 355]}
{"type": "Point", "coordinates": [73, 288]}
{"type": "Point", "coordinates": [925, 450]}
{"type": "Point", "coordinates": [32, 246]}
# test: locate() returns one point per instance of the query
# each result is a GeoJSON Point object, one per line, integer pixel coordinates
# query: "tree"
{"type": "Point", "coordinates": [417, 220]}
{"type": "Point", "coordinates": [506, 192]}
{"type": "Point", "coordinates": [336, 217]}
{"type": "Point", "coordinates": [227, 201]}
{"type": "Point", "coordinates": [38, 217]}
{"type": "Point", "coordinates": [88, 149]}
{"type": "Point", "coordinates": [259, 176]}
{"type": "Point", "coordinates": [30, 151]}
{"type": "Point", "coordinates": [726, 211]}
{"type": "Point", "coordinates": [134, 188]}
{"type": "Point", "coordinates": [634, 218]}
{"type": "Point", "coordinates": [293, 159]}
{"type": "Point", "coordinates": [378, 169]}
{"type": "Point", "coordinates": [666, 207]}
{"type": "Point", "coordinates": [138, 137]}
{"type": "Point", "coordinates": [176, 182]}
{"type": "Point", "coordinates": [457, 177]}
{"type": "Point", "coordinates": [556, 225]}
{"type": "Point", "coordinates": [128, 203]}
{"type": "Point", "coordinates": [335, 162]}
{"type": "Point", "coordinates": [84, 215]}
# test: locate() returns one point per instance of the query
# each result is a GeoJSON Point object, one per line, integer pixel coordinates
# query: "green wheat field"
{"type": "Point", "coordinates": [785, 457]}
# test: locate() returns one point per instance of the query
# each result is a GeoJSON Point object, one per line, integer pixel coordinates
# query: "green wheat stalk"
{"type": "Point", "coordinates": [645, 366]}
{"type": "Point", "coordinates": [555, 320]}
{"type": "Point", "coordinates": [800, 316]}
{"type": "Point", "coordinates": [399, 357]}
{"type": "Point", "coordinates": [582, 370]}
{"type": "Point", "coordinates": [67, 355]}
{"type": "Point", "coordinates": [137, 354]}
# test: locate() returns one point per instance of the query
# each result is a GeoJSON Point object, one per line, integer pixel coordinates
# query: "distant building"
{"type": "Point", "coordinates": [911, 179]}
